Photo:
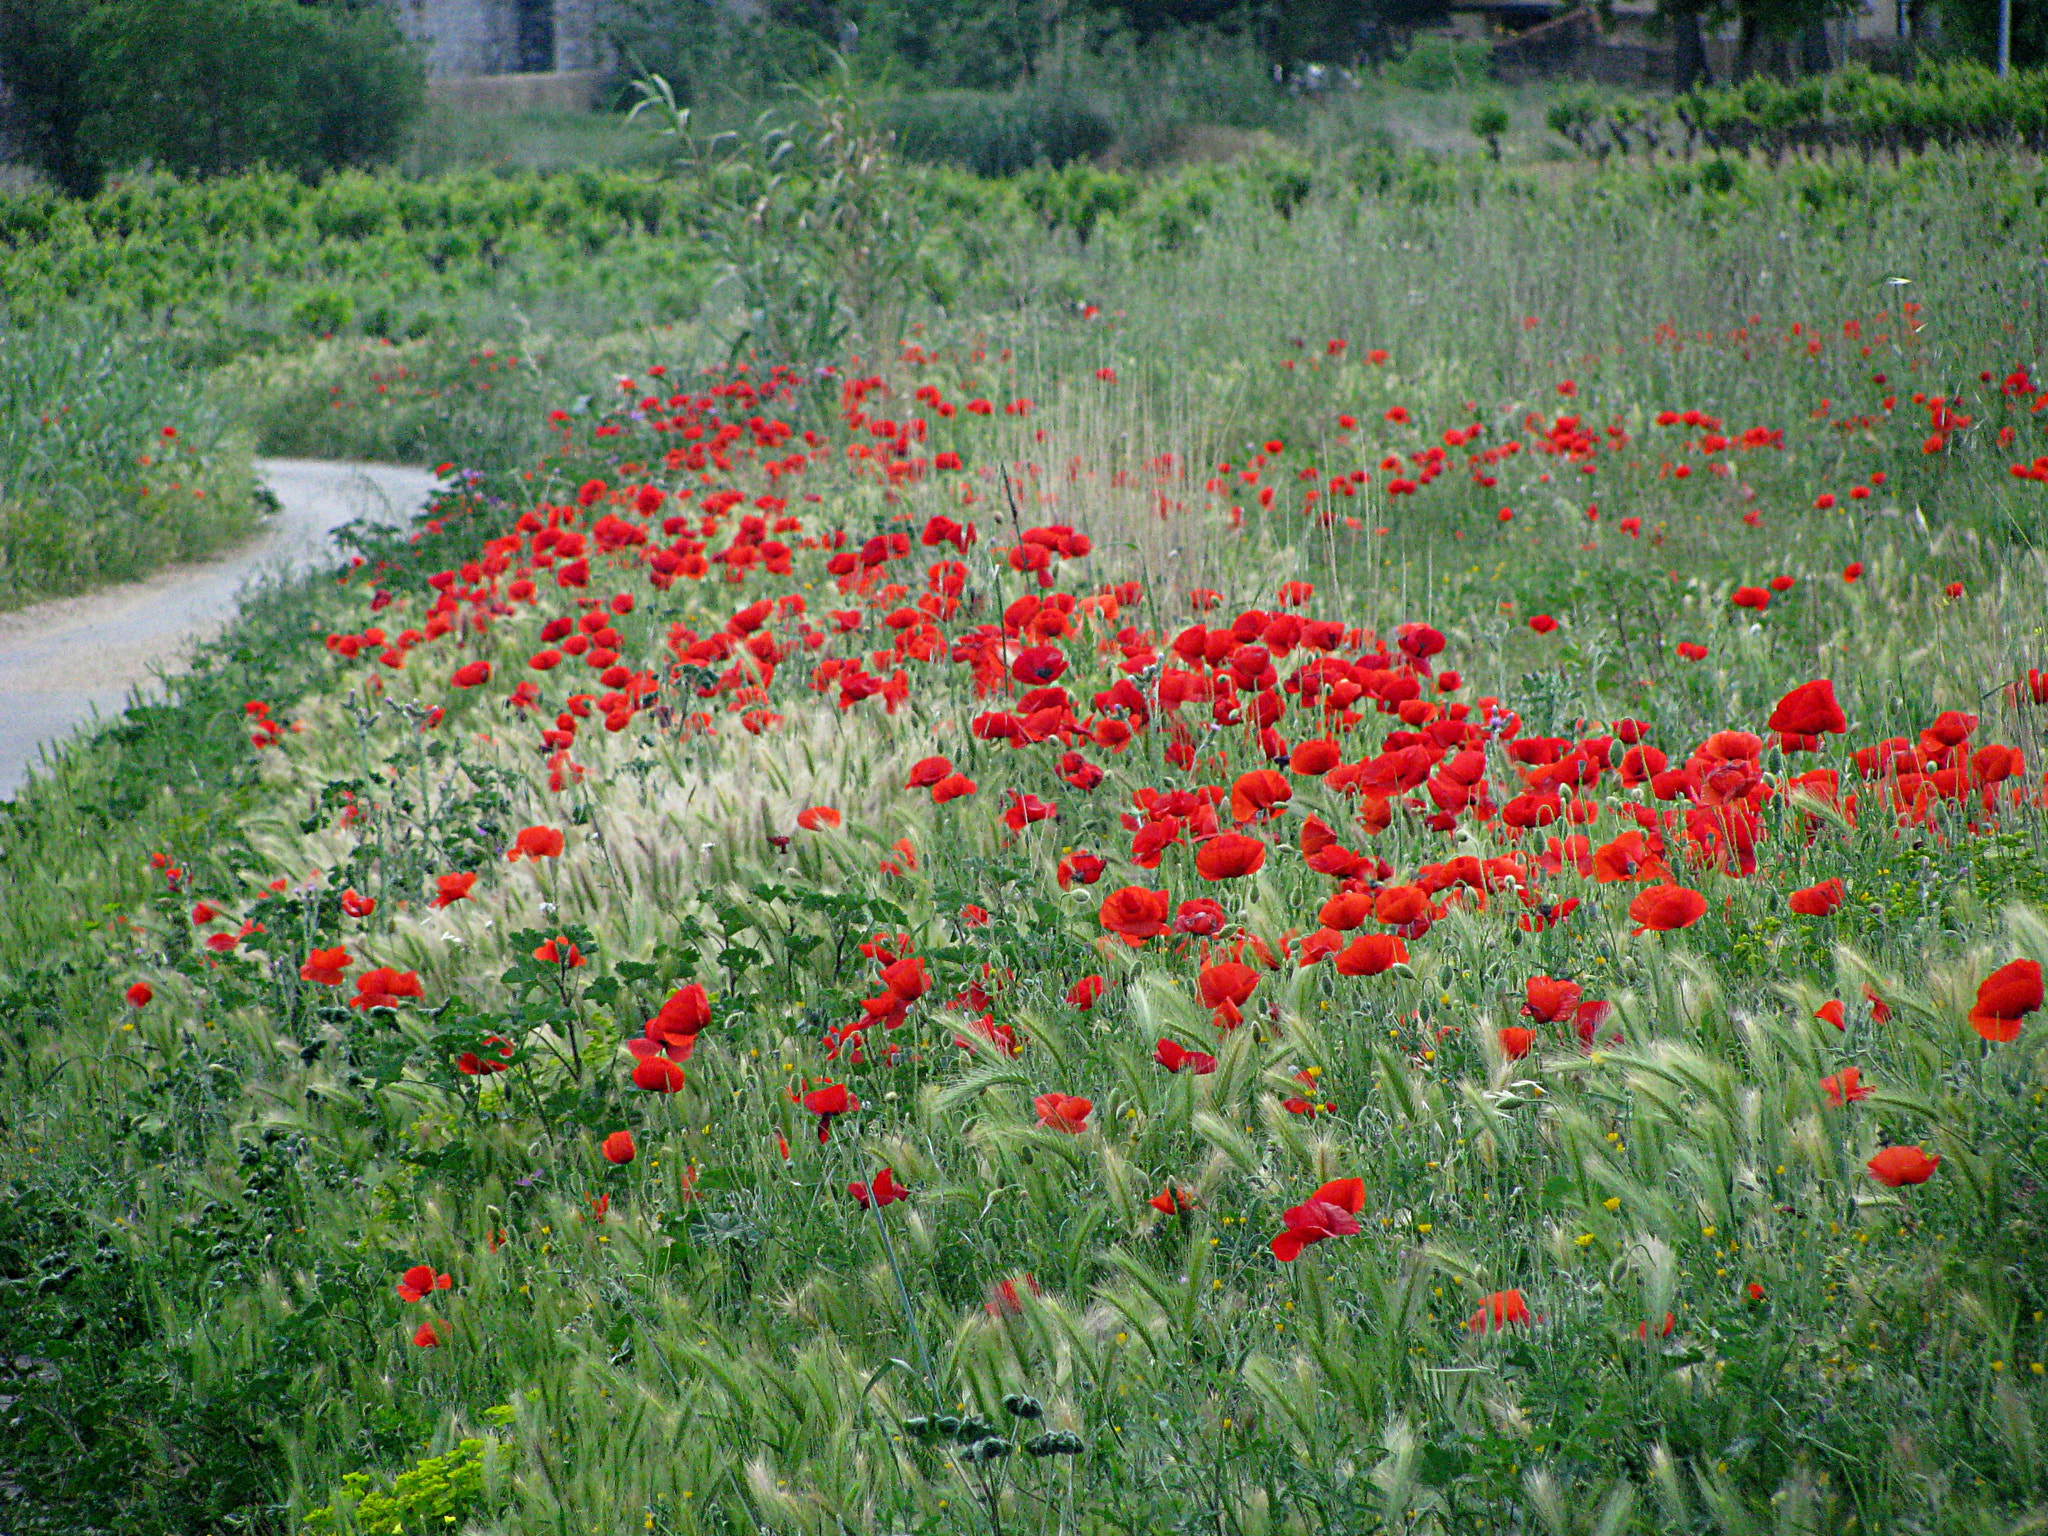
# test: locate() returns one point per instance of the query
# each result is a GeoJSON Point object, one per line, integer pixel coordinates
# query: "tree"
{"type": "Point", "coordinates": [205, 87]}
{"type": "Point", "coordinates": [44, 102]}
{"type": "Point", "coordinates": [1489, 122]}
{"type": "Point", "coordinates": [1689, 44]}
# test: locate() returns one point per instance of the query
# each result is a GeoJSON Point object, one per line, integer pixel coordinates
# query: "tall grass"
{"type": "Point", "coordinates": [111, 463]}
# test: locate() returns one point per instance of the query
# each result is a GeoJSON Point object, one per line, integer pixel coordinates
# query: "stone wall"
{"type": "Point", "coordinates": [466, 38]}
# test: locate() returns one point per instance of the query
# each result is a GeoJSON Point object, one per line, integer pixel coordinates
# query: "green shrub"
{"type": "Point", "coordinates": [1440, 64]}
{"type": "Point", "coordinates": [435, 1493]}
{"type": "Point", "coordinates": [995, 135]}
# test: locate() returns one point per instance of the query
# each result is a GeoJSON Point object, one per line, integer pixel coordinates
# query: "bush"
{"type": "Point", "coordinates": [1441, 63]}
{"type": "Point", "coordinates": [205, 87]}
{"type": "Point", "coordinates": [995, 135]}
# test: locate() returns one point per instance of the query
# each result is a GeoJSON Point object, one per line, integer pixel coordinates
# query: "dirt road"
{"type": "Point", "coordinates": [67, 663]}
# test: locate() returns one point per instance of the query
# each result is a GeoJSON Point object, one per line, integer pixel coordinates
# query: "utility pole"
{"type": "Point", "coordinates": [2004, 38]}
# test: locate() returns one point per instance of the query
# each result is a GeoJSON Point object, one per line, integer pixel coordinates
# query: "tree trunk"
{"type": "Point", "coordinates": [1813, 49]}
{"type": "Point", "coordinates": [1689, 61]}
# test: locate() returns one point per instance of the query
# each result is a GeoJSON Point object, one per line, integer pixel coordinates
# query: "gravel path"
{"type": "Point", "coordinates": [66, 663]}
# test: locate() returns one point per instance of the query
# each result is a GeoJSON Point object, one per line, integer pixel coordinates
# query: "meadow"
{"type": "Point", "coordinates": [1338, 845]}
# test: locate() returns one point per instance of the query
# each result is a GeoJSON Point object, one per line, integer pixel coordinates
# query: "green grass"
{"type": "Point", "coordinates": [540, 140]}
{"type": "Point", "coordinates": [112, 463]}
{"type": "Point", "coordinates": [210, 1199]}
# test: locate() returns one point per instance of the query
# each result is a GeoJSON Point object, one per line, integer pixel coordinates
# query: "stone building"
{"type": "Point", "coordinates": [463, 38]}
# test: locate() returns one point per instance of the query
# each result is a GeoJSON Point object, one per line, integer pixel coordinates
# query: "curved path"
{"type": "Point", "coordinates": [67, 663]}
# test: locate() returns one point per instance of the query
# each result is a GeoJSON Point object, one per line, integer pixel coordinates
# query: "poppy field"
{"type": "Point", "coordinates": [1037, 935]}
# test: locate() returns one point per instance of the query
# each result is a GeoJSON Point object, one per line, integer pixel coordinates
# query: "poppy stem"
{"type": "Point", "coordinates": [924, 1360]}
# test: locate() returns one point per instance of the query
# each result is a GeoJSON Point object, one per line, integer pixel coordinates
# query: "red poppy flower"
{"type": "Point", "coordinates": [1134, 914]}
{"type": "Point", "coordinates": [927, 771]}
{"type": "Point", "coordinates": [419, 1280]}
{"type": "Point", "coordinates": [827, 1101]}
{"type": "Point", "coordinates": [1228, 981]}
{"type": "Point", "coordinates": [1662, 908]}
{"type": "Point", "coordinates": [657, 1074]}
{"type": "Point", "coordinates": [383, 987]}
{"type": "Point", "coordinates": [1175, 1057]}
{"type": "Point", "coordinates": [1345, 911]}
{"type": "Point", "coordinates": [1498, 1311]}
{"type": "Point", "coordinates": [325, 966]}
{"type": "Point", "coordinates": [954, 786]}
{"type": "Point", "coordinates": [425, 1337]}
{"type": "Point", "coordinates": [1201, 917]}
{"type": "Point", "coordinates": [470, 1064]}
{"type": "Point", "coordinates": [536, 843]}
{"type": "Point", "coordinates": [1331, 1211]}
{"type": "Point", "coordinates": [1547, 999]}
{"type": "Point", "coordinates": [1025, 809]}
{"type": "Point", "coordinates": [884, 1191]}
{"type": "Point", "coordinates": [1543, 624]}
{"type": "Point", "coordinates": [817, 817]}
{"type": "Point", "coordinates": [1085, 993]}
{"type": "Point", "coordinates": [1830, 1012]}
{"type": "Point", "coordinates": [1039, 665]}
{"type": "Point", "coordinates": [449, 889]}
{"type": "Point", "coordinates": [139, 995]}
{"type": "Point", "coordinates": [2004, 998]}
{"type": "Point", "coordinates": [559, 951]}
{"type": "Point", "coordinates": [1809, 710]}
{"type": "Point", "coordinates": [1845, 1086]}
{"type": "Point", "coordinates": [1063, 1112]}
{"type": "Point", "coordinates": [1370, 955]}
{"type": "Point", "coordinates": [1006, 1297]}
{"type": "Point", "coordinates": [1751, 597]}
{"type": "Point", "coordinates": [1689, 651]}
{"type": "Point", "coordinates": [1080, 865]}
{"type": "Point", "coordinates": [1400, 905]}
{"type": "Point", "coordinates": [1259, 794]}
{"type": "Point", "coordinates": [1174, 1200]}
{"type": "Point", "coordinates": [1229, 856]}
{"type": "Point", "coordinates": [1898, 1166]}
{"type": "Point", "coordinates": [618, 1148]}
{"type": "Point", "coordinates": [686, 1011]}
{"type": "Point", "coordinates": [1818, 900]}
{"type": "Point", "coordinates": [906, 978]}
{"type": "Point", "coordinates": [1516, 1041]}
{"type": "Point", "coordinates": [1312, 759]}
{"type": "Point", "coordinates": [202, 914]}
{"type": "Point", "coordinates": [354, 904]}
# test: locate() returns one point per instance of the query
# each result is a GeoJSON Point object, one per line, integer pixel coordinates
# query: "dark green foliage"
{"type": "Point", "coordinates": [995, 135]}
{"type": "Point", "coordinates": [205, 87]}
